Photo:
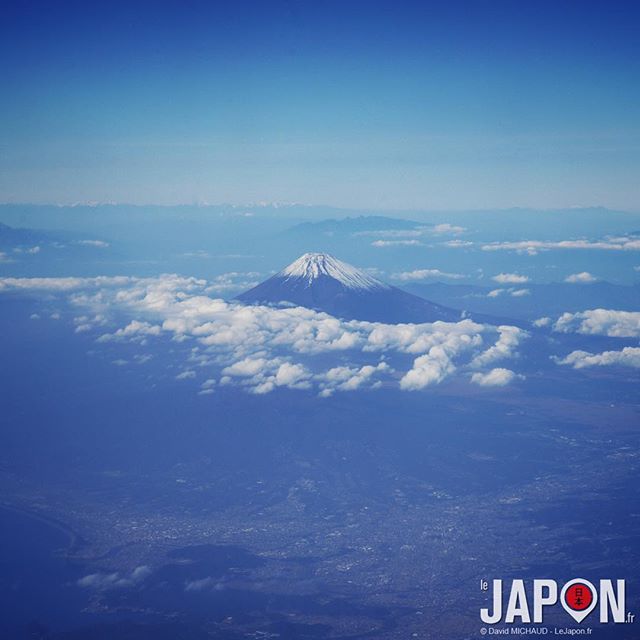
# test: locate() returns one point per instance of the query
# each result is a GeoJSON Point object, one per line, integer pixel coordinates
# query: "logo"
{"type": "Point", "coordinates": [527, 602]}
{"type": "Point", "coordinates": [579, 598]}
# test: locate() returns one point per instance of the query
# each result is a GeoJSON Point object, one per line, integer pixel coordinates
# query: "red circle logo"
{"type": "Point", "coordinates": [578, 596]}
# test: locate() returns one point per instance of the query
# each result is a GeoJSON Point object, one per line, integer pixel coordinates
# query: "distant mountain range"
{"type": "Point", "coordinates": [356, 224]}
{"type": "Point", "coordinates": [12, 237]}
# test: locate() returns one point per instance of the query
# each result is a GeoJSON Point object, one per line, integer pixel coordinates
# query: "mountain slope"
{"type": "Point", "coordinates": [320, 281]}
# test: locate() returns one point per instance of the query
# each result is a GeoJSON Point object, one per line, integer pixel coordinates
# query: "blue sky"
{"type": "Point", "coordinates": [396, 105]}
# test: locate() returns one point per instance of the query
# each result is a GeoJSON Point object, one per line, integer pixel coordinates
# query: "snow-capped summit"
{"type": "Point", "coordinates": [312, 266]}
{"type": "Point", "coordinates": [320, 281]}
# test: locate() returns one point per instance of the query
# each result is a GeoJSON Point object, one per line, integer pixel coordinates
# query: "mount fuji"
{"type": "Point", "coordinates": [320, 281]}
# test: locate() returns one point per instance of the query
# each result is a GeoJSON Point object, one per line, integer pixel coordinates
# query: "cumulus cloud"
{"type": "Point", "coordinates": [425, 274]}
{"type": "Point", "coordinates": [135, 329]}
{"type": "Point", "coordinates": [116, 580]}
{"type": "Point", "coordinates": [601, 322]}
{"type": "Point", "coordinates": [88, 322]}
{"type": "Point", "coordinates": [262, 374]}
{"type": "Point", "coordinates": [506, 347]}
{"type": "Point", "coordinates": [510, 278]}
{"type": "Point", "coordinates": [627, 357]}
{"type": "Point", "coordinates": [495, 378]}
{"type": "Point", "coordinates": [432, 367]}
{"type": "Point", "coordinates": [542, 322]}
{"type": "Point", "coordinates": [349, 378]}
{"type": "Point", "coordinates": [207, 387]}
{"type": "Point", "coordinates": [261, 348]}
{"type": "Point", "coordinates": [584, 277]}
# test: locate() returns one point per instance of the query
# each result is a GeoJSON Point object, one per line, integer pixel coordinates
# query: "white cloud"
{"type": "Point", "coordinates": [532, 247]}
{"type": "Point", "coordinates": [233, 281]}
{"type": "Point", "coordinates": [116, 580]}
{"type": "Point", "coordinates": [291, 375]}
{"type": "Point", "coordinates": [62, 284]}
{"type": "Point", "coordinates": [441, 229]}
{"type": "Point", "coordinates": [220, 283]}
{"type": "Point", "coordinates": [494, 378]}
{"type": "Point", "coordinates": [627, 357]}
{"type": "Point", "coordinates": [542, 322]}
{"type": "Point", "coordinates": [458, 244]}
{"type": "Point", "coordinates": [425, 274]}
{"type": "Point", "coordinates": [394, 233]}
{"type": "Point", "coordinates": [188, 374]}
{"type": "Point", "coordinates": [396, 243]}
{"type": "Point", "coordinates": [204, 584]}
{"type": "Point", "coordinates": [198, 253]}
{"type": "Point", "coordinates": [512, 291]}
{"type": "Point", "coordinates": [134, 328]}
{"type": "Point", "coordinates": [506, 347]}
{"type": "Point", "coordinates": [263, 375]}
{"type": "Point", "coordinates": [207, 387]}
{"type": "Point", "coordinates": [30, 250]}
{"type": "Point", "coordinates": [510, 278]}
{"type": "Point", "coordinates": [348, 378]}
{"type": "Point", "coordinates": [583, 277]}
{"type": "Point", "coordinates": [602, 322]}
{"type": "Point", "coordinates": [430, 368]}
{"type": "Point", "coordinates": [87, 323]}
{"type": "Point", "coordinates": [101, 244]}
{"type": "Point", "coordinates": [246, 367]}
{"type": "Point", "coordinates": [446, 228]}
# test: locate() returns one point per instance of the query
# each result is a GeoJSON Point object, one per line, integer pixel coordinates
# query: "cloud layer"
{"type": "Point", "coordinates": [262, 348]}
